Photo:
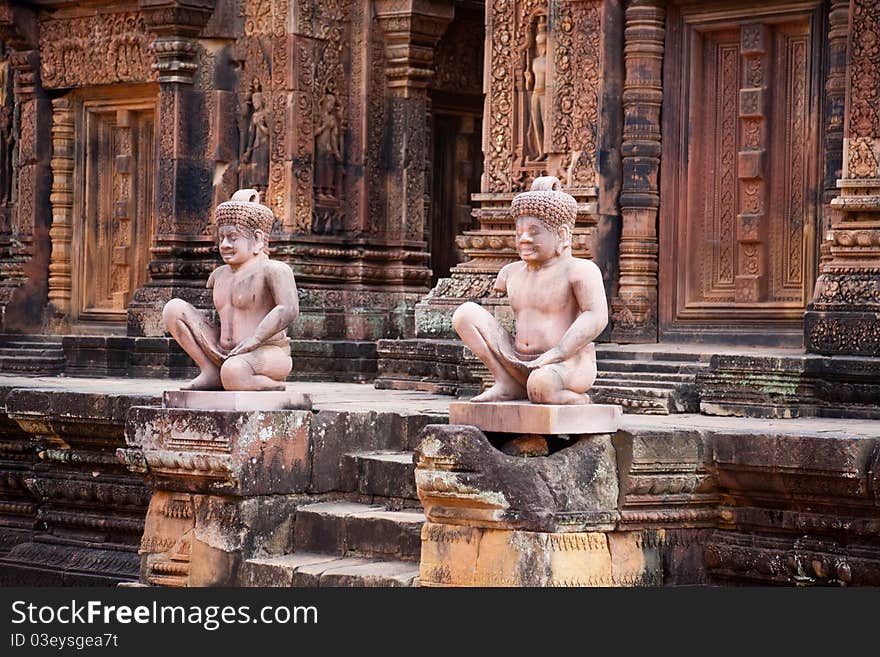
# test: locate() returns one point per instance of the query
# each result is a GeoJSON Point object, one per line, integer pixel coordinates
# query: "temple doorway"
{"type": "Point", "coordinates": [740, 172]}
{"type": "Point", "coordinates": [113, 208]}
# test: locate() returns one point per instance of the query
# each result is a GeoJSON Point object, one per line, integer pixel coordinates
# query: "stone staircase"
{"type": "Point", "coordinates": [374, 541]}
{"type": "Point", "coordinates": [31, 355]}
{"type": "Point", "coordinates": [649, 382]}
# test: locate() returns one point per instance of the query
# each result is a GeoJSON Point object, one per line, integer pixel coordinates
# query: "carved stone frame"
{"type": "Point", "coordinates": [139, 97]}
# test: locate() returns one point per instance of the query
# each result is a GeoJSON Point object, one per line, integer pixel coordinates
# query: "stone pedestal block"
{"type": "Point", "coordinates": [472, 556]}
{"type": "Point", "coordinates": [546, 419]}
{"type": "Point", "coordinates": [238, 400]}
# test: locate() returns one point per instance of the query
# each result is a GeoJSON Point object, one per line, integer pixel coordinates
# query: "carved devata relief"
{"type": "Point", "coordinates": [543, 93]}
{"type": "Point", "coordinates": [98, 49]}
{"type": "Point", "coordinates": [293, 99]}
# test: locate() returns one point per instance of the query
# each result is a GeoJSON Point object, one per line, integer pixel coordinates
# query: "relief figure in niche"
{"type": "Point", "coordinates": [535, 74]}
{"type": "Point", "coordinates": [328, 166]}
{"type": "Point", "coordinates": [328, 151]}
{"type": "Point", "coordinates": [256, 151]}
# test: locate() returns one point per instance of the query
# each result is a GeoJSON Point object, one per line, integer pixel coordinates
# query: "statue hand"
{"type": "Point", "coordinates": [549, 357]}
{"type": "Point", "coordinates": [243, 347]}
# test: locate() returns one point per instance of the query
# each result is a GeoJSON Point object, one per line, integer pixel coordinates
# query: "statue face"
{"type": "Point", "coordinates": [535, 241]}
{"type": "Point", "coordinates": [238, 245]}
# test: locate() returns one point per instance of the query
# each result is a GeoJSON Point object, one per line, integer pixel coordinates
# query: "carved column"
{"type": "Point", "coordinates": [24, 244]}
{"type": "Point", "coordinates": [844, 316]}
{"type": "Point", "coordinates": [183, 247]}
{"type": "Point", "coordinates": [634, 309]}
{"type": "Point", "coordinates": [412, 29]}
{"type": "Point", "coordinates": [61, 198]}
{"type": "Point", "coordinates": [835, 99]}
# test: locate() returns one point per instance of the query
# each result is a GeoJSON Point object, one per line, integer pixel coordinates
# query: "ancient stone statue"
{"type": "Point", "coordinates": [535, 75]}
{"type": "Point", "coordinates": [256, 151]}
{"type": "Point", "coordinates": [328, 152]}
{"type": "Point", "coordinates": [558, 303]}
{"type": "Point", "coordinates": [255, 298]}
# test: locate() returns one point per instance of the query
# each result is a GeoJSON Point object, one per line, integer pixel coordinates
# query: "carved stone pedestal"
{"type": "Point", "coordinates": [226, 485]}
{"type": "Point", "coordinates": [499, 520]}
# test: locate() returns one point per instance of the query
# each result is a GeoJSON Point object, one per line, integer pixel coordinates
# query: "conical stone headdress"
{"type": "Point", "coordinates": [547, 202]}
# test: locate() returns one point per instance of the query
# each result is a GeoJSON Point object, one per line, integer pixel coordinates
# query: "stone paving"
{"type": "Point", "coordinates": [364, 397]}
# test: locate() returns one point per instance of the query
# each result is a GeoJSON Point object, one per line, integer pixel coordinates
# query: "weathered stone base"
{"type": "Point", "coordinates": [352, 314]}
{"type": "Point", "coordinates": [440, 366]}
{"type": "Point", "coordinates": [105, 356]}
{"type": "Point", "coordinates": [333, 360]}
{"type": "Point", "coordinates": [470, 556]}
{"type": "Point", "coordinates": [801, 386]}
{"type": "Point", "coordinates": [203, 540]}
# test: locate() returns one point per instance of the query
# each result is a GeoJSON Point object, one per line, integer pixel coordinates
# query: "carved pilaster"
{"type": "Point", "coordinates": [61, 198]}
{"type": "Point", "coordinates": [844, 316]}
{"type": "Point", "coordinates": [835, 100]}
{"type": "Point", "coordinates": [183, 249]}
{"type": "Point", "coordinates": [412, 29]}
{"type": "Point", "coordinates": [24, 249]}
{"type": "Point", "coordinates": [635, 306]}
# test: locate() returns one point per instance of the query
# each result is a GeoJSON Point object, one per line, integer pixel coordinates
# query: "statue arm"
{"type": "Point", "coordinates": [282, 286]}
{"type": "Point", "coordinates": [501, 280]}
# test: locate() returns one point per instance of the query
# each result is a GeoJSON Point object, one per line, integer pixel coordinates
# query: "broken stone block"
{"type": "Point", "coordinates": [462, 479]}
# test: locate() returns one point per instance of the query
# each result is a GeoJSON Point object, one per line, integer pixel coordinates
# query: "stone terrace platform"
{"type": "Point", "coordinates": [730, 499]}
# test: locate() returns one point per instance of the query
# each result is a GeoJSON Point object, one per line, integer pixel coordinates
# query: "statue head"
{"type": "Point", "coordinates": [545, 218]}
{"type": "Point", "coordinates": [541, 35]}
{"type": "Point", "coordinates": [243, 227]}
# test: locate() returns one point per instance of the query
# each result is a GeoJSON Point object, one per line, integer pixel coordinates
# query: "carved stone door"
{"type": "Point", "coordinates": [116, 207]}
{"type": "Point", "coordinates": [739, 201]}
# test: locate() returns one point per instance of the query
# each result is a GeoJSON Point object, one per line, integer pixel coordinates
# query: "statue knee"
{"type": "Point", "coordinates": [234, 372]}
{"type": "Point", "coordinates": [173, 311]}
{"type": "Point", "coordinates": [542, 386]}
{"type": "Point", "coordinates": [464, 314]}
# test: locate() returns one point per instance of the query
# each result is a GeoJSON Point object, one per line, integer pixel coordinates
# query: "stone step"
{"type": "Point", "coordinates": [310, 569]}
{"type": "Point", "coordinates": [358, 530]}
{"type": "Point", "coordinates": [605, 352]}
{"type": "Point", "coordinates": [652, 377]}
{"type": "Point", "coordinates": [17, 340]}
{"type": "Point", "coordinates": [384, 473]}
{"type": "Point", "coordinates": [32, 350]}
{"type": "Point", "coordinates": [32, 365]}
{"type": "Point", "coordinates": [647, 400]}
{"type": "Point", "coordinates": [653, 366]}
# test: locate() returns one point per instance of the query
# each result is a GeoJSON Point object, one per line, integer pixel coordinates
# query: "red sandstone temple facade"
{"type": "Point", "coordinates": [725, 159]}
